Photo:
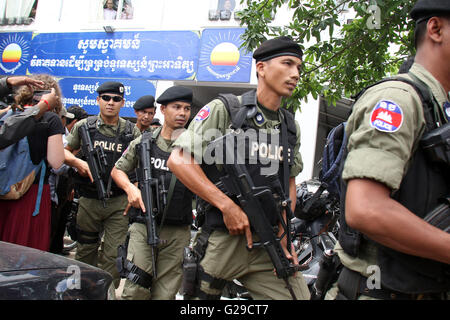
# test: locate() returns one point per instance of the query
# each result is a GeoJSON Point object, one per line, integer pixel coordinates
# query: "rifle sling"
{"type": "Point", "coordinates": [154, 136]}
{"type": "Point", "coordinates": [108, 188]}
{"type": "Point", "coordinates": [285, 155]}
{"type": "Point", "coordinates": [173, 181]}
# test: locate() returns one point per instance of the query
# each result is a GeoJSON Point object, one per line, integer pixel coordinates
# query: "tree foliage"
{"type": "Point", "coordinates": [340, 57]}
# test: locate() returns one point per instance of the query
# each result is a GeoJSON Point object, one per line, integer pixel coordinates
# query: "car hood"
{"type": "Point", "coordinates": [30, 274]}
{"type": "Point", "coordinates": [15, 258]}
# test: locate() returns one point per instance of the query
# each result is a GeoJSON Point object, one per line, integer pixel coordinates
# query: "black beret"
{"type": "Point", "coordinates": [111, 87]}
{"type": "Point", "coordinates": [424, 9]}
{"type": "Point", "coordinates": [78, 111]}
{"type": "Point", "coordinates": [176, 93]}
{"type": "Point", "coordinates": [155, 121]}
{"type": "Point", "coordinates": [144, 102]}
{"type": "Point", "coordinates": [282, 46]}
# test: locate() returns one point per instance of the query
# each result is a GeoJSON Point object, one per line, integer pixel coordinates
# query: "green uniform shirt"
{"type": "Point", "coordinates": [385, 156]}
{"type": "Point", "coordinates": [74, 139]}
{"type": "Point", "coordinates": [129, 159]}
{"type": "Point", "coordinates": [204, 129]}
{"type": "Point", "coordinates": [149, 129]}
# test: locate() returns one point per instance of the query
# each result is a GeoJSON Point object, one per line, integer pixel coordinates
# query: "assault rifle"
{"type": "Point", "coordinates": [440, 216]}
{"type": "Point", "coordinates": [96, 160]}
{"type": "Point", "coordinates": [149, 188]}
{"type": "Point", "coordinates": [238, 182]}
{"type": "Point", "coordinates": [329, 268]}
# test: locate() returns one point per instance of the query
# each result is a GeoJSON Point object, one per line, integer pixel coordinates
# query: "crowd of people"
{"type": "Point", "coordinates": [389, 185]}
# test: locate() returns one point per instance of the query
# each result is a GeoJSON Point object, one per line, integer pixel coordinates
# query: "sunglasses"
{"type": "Point", "coordinates": [106, 98]}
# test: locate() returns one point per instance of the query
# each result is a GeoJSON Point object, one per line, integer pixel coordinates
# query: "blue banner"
{"type": "Point", "coordinates": [149, 55]}
{"type": "Point", "coordinates": [154, 55]}
{"type": "Point", "coordinates": [221, 58]}
{"type": "Point", "coordinates": [83, 92]}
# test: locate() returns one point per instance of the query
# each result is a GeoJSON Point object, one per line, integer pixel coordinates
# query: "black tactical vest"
{"type": "Point", "coordinates": [420, 190]}
{"type": "Point", "coordinates": [113, 148]}
{"type": "Point", "coordinates": [179, 210]}
{"type": "Point", "coordinates": [263, 154]}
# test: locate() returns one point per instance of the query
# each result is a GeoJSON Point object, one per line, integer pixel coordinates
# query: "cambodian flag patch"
{"type": "Point", "coordinates": [387, 116]}
{"type": "Point", "coordinates": [202, 114]}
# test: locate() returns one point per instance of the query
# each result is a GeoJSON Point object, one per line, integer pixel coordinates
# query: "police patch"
{"type": "Point", "coordinates": [259, 118]}
{"type": "Point", "coordinates": [387, 116]}
{"type": "Point", "coordinates": [202, 114]}
{"type": "Point", "coordinates": [447, 110]}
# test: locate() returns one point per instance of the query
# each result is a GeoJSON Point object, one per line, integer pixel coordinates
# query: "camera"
{"type": "Point", "coordinates": [37, 94]}
{"type": "Point", "coordinates": [7, 101]}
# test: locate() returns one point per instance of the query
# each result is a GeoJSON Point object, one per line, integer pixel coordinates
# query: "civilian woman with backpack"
{"type": "Point", "coordinates": [26, 221]}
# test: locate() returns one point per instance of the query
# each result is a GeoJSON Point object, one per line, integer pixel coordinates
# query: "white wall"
{"type": "Point", "coordinates": [160, 88]}
{"type": "Point", "coordinates": [308, 120]}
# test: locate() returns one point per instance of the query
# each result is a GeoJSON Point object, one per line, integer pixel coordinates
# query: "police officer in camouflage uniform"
{"type": "Point", "coordinates": [114, 134]}
{"type": "Point", "coordinates": [226, 257]}
{"type": "Point", "coordinates": [388, 251]}
{"type": "Point", "coordinates": [145, 109]}
{"type": "Point", "coordinates": [174, 222]}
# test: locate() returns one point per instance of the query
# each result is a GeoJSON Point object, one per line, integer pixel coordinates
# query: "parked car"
{"type": "Point", "coordinates": [30, 274]}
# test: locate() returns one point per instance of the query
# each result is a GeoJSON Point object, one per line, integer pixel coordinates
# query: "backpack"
{"type": "Point", "coordinates": [18, 172]}
{"type": "Point", "coordinates": [333, 153]}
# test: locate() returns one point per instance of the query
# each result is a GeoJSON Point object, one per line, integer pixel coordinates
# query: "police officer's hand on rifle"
{"type": "Point", "coordinates": [81, 166]}
{"type": "Point", "coordinates": [237, 221]}
{"type": "Point", "coordinates": [132, 191]}
{"type": "Point", "coordinates": [83, 169]}
{"type": "Point", "coordinates": [290, 255]}
{"type": "Point", "coordinates": [135, 197]}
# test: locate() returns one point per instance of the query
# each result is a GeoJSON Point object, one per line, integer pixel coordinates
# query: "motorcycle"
{"type": "Point", "coordinates": [315, 232]}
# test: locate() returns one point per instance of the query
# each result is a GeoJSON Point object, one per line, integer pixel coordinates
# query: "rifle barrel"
{"type": "Point", "coordinates": [148, 185]}
{"type": "Point", "coordinates": [95, 165]}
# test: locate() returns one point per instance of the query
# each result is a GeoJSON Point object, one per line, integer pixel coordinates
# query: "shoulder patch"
{"type": "Point", "coordinates": [259, 118]}
{"type": "Point", "coordinates": [387, 116]}
{"type": "Point", "coordinates": [203, 114]}
{"type": "Point", "coordinates": [447, 110]}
